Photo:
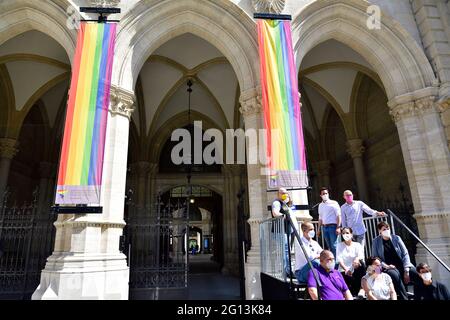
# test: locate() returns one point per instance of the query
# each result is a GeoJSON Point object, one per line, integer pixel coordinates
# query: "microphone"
{"type": "Point", "coordinates": [316, 205]}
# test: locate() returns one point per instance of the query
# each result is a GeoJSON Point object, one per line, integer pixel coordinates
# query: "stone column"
{"type": "Point", "coordinates": [8, 150]}
{"type": "Point", "coordinates": [231, 185]}
{"type": "Point", "coordinates": [226, 220]}
{"type": "Point", "coordinates": [86, 262]}
{"type": "Point", "coordinates": [152, 193]}
{"type": "Point", "coordinates": [427, 161]}
{"type": "Point", "coordinates": [236, 171]}
{"type": "Point", "coordinates": [47, 173]}
{"type": "Point", "coordinates": [323, 171]}
{"type": "Point", "coordinates": [257, 195]}
{"type": "Point", "coordinates": [356, 149]}
{"type": "Point", "coordinates": [433, 22]}
{"type": "Point", "coordinates": [444, 108]}
{"type": "Point", "coordinates": [142, 170]}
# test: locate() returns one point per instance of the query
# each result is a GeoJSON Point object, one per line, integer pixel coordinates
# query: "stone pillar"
{"type": "Point", "coordinates": [226, 220]}
{"type": "Point", "coordinates": [152, 176]}
{"type": "Point", "coordinates": [47, 173]}
{"type": "Point", "coordinates": [142, 171]}
{"type": "Point", "coordinates": [236, 176]}
{"type": "Point", "coordinates": [8, 150]}
{"type": "Point", "coordinates": [427, 161]}
{"type": "Point", "coordinates": [86, 262]}
{"type": "Point", "coordinates": [231, 187]}
{"type": "Point", "coordinates": [433, 22]}
{"type": "Point", "coordinates": [356, 150]}
{"type": "Point", "coordinates": [323, 171]}
{"type": "Point", "coordinates": [257, 186]}
{"type": "Point", "coordinates": [444, 108]}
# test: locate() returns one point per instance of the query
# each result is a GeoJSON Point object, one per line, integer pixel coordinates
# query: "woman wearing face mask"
{"type": "Point", "coordinates": [394, 258]}
{"type": "Point", "coordinates": [377, 285]}
{"type": "Point", "coordinates": [427, 288]}
{"type": "Point", "coordinates": [350, 256]}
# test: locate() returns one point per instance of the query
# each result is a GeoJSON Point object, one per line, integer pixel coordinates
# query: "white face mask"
{"type": "Point", "coordinates": [330, 265]}
{"type": "Point", "coordinates": [347, 236]}
{"type": "Point", "coordinates": [312, 234]}
{"type": "Point", "coordinates": [426, 276]}
{"type": "Point", "coordinates": [325, 197]}
{"type": "Point", "coordinates": [386, 233]}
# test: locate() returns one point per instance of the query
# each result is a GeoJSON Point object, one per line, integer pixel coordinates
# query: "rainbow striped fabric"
{"type": "Point", "coordinates": [81, 162]}
{"type": "Point", "coordinates": [281, 105]}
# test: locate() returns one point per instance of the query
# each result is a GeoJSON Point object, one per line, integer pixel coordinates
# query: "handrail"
{"type": "Point", "coordinates": [314, 271]}
{"type": "Point", "coordinates": [418, 239]}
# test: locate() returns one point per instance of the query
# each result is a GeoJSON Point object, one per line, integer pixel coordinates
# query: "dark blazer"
{"type": "Point", "coordinates": [400, 248]}
{"type": "Point", "coordinates": [436, 291]}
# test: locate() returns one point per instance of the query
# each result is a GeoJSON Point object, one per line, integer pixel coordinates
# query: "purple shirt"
{"type": "Point", "coordinates": [333, 284]}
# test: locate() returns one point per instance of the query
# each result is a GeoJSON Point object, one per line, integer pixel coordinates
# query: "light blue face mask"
{"type": "Point", "coordinates": [330, 265]}
{"type": "Point", "coordinates": [426, 276]}
{"type": "Point", "coordinates": [312, 234]}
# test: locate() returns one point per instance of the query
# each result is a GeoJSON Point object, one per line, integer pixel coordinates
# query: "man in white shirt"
{"type": "Point", "coordinates": [352, 216]}
{"type": "Point", "coordinates": [312, 249]}
{"type": "Point", "coordinates": [329, 220]}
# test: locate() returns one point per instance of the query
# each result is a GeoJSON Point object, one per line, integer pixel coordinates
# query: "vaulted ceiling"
{"type": "Point", "coordinates": [163, 85]}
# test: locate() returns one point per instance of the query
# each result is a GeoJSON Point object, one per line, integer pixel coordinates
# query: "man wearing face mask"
{"type": "Point", "coordinates": [394, 257]}
{"type": "Point", "coordinates": [333, 284]}
{"type": "Point", "coordinates": [352, 216]}
{"type": "Point", "coordinates": [281, 207]}
{"type": "Point", "coordinates": [312, 249]}
{"type": "Point", "coordinates": [428, 289]}
{"type": "Point", "coordinates": [329, 219]}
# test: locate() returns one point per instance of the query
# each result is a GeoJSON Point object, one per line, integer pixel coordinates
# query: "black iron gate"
{"type": "Point", "coordinates": [155, 241]}
{"type": "Point", "coordinates": [26, 241]}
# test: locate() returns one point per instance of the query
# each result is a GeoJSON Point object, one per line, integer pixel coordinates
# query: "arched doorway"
{"type": "Point", "coordinates": [30, 133]}
{"type": "Point", "coordinates": [354, 139]}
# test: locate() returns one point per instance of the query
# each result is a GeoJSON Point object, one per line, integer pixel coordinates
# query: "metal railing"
{"type": "Point", "coordinates": [371, 226]}
{"type": "Point", "coordinates": [272, 239]}
{"type": "Point", "coordinates": [393, 215]}
{"type": "Point", "coordinates": [26, 240]}
{"type": "Point", "coordinates": [272, 242]}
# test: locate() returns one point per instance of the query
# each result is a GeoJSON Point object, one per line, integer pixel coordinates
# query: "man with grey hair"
{"type": "Point", "coordinates": [333, 284]}
{"type": "Point", "coordinates": [352, 216]}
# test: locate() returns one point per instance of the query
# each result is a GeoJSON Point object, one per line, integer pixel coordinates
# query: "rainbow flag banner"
{"type": "Point", "coordinates": [81, 162]}
{"type": "Point", "coordinates": [281, 105]}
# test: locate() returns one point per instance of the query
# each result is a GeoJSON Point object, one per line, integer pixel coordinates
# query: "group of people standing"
{"type": "Point", "coordinates": [342, 270]}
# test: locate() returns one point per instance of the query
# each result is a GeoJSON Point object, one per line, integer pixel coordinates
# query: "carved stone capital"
{"type": "Point", "coordinates": [426, 104]}
{"type": "Point", "coordinates": [443, 104]}
{"type": "Point", "coordinates": [402, 111]}
{"type": "Point", "coordinates": [428, 217]}
{"type": "Point", "coordinates": [122, 102]}
{"type": "Point", "coordinates": [8, 148]}
{"type": "Point", "coordinates": [250, 103]}
{"type": "Point", "coordinates": [268, 6]}
{"type": "Point", "coordinates": [255, 222]}
{"type": "Point", "coordinates": [413, 108]}
{"type": "Point", "coordinates": [355, 148]}
{"type": "Point", "coordinates": [104, 3]}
